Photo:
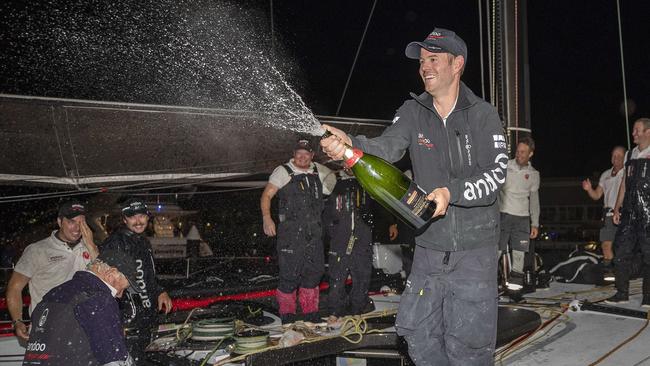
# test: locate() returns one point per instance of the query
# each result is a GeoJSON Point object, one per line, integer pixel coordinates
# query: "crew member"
{"type": "Point", "coordinates": [631, 213]}
{"type": "Point", "coordinates": [139, 311]}
{"type": "Point", "coordinates": [78, 322]}
{"type": "Point", "coordinates": [51, 261]}
{"type": "Point", "coordinates": [348, 221]}
{"type": "Point", "coordinates": [519, 205]}
{"type": "Point", "coordinates": [300, 184]}
{"type": "Point", "coordinates": [448, 311]}
{"type": "Point", "coordinates": [607, 188]}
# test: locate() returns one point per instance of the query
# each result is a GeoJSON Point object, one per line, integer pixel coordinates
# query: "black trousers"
{"type": "Point", "coordinates": [631, 240]}
{"type": "Point", "coordinates": [358, 264]}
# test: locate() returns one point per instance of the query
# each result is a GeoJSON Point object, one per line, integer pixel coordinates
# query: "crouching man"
{"type": "Point", "coordinates": [78, 322]}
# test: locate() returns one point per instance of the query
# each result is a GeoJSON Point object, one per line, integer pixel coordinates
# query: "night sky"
{"type": "Point", "coordinates": [169, 52]}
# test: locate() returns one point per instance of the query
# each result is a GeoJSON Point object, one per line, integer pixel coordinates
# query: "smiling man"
{"type": "Point", "coordinates": [301, 184]}
{"type": "Point", "coordinates": [139, 314]}
{"type": "Point", "coordinates": [448, 311]}
{"type": "Point", "coordinates": [51, 261]}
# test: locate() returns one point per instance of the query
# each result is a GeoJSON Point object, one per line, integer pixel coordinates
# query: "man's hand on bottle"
{"type": "Point", "coordinates": [441, 197]}
{"type": "Point", "coordinates": [269, 226]}
{"type": "Point", "coordinates": [392, 232]}
{"type": "Point", "coordinates": [334, 146]}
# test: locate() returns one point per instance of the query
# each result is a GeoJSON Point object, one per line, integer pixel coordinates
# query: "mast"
{"type": "Point", "coordinates": [511, 89]}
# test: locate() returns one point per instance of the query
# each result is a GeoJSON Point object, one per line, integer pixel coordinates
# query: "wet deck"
{"type": "Point", "coordinates": [581, 337]}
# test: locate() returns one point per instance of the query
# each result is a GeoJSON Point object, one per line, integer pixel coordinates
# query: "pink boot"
{"type": "Point", "coordinates": [286, 306]}
{"type": "Point", "coordinates": [308, 298]}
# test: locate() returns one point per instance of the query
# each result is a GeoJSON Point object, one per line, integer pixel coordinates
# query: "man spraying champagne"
{"type": "Point", "coordinates": [458, 153]}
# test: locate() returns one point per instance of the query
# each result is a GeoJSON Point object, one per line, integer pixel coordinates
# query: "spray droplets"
{"type": "Point", "coordinates": [200, 54]}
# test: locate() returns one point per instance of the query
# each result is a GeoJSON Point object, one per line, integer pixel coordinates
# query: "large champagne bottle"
{"type": "Point", "coordinates": [389, 186]}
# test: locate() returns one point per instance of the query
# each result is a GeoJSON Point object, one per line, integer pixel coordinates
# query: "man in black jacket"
{"type": "Point", "coordinates": [139, 311]}
{"type": "Point", "coordinates": [448, 311]}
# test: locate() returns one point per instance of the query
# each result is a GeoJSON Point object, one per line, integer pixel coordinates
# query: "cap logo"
{"type": "Point", "coordinates": [77, 207]}
{"type": "Point", "coordinates": [435, 35]}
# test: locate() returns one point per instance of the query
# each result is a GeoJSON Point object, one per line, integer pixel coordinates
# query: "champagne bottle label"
{"type": "Point", "coordinates": [415, 199]}
{"type": "Point", "coordinates": [356, 154]}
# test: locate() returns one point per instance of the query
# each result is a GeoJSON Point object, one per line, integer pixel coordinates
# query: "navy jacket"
{"type": "Point", "coordinates": [77, 323]}
{"type": "Point", "coordinates": [467, 155]}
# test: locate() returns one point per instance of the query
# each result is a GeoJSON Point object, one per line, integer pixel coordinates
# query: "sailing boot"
{"type": "Point", "coordinates": [308, 298]}
{"type": "Point", "coordinates": [622, 282]}
{"type": "Point", "coordinates": [645, 302]}
{"type": "Point", "coordinates": [286, 306]}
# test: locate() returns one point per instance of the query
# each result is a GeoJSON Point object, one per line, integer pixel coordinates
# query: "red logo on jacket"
{"type": "Point", "coordinates": [86, 255]}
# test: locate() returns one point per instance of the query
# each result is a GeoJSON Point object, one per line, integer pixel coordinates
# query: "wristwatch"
{"type": "Point", "coordinates": [16, 321]}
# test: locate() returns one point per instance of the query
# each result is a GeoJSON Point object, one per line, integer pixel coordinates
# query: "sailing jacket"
{"type": "Point", "coordinates": [138, 310]}
{"type": "Point", "coordinates": [77, 323]}
{"type": "Point", "coordinates": [467, 154]}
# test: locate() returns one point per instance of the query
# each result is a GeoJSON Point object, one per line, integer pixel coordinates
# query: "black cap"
{"type": "Point", "coordinates": [124, 263]}
{"type": "Point", "coordinates": [439, 41]}
{"type": "Point", "coordinates": [134, 206]}
{"type": "Point", "coordinates": [71, 209]}
{"type": "Point", "coordinates": [303, 145]}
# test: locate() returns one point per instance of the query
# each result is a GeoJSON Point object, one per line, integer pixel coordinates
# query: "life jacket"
{"type": "Point", "coordinates": [348, 197]}
{"type": "Point", "coordinates": [301, 200]}
{"type": "Point", "coordinates": [56, 338]}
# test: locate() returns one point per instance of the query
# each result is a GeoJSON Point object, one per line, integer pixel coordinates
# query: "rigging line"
{"type": "Point", "coordinates": [251, 164]}
{"type": "Point", "coordinates": [76, 193]}
{"type": "Point", "coordinates": [489, 47]}
{"type": "Point", "coordinates": [480, 37]}
{"type": "Point", "coordinates": [516, 26]}
{"type": "Point", "coordinates": [74, 155]}
{"type": "Point", "coordinates": [58, 142]}
{"type": "Point", "coordinates": [37, 196]}
{"type": "Point", "coordinates": [363, 36]}
{"type": "Point", "coordinates": [191, 193]}
{"type": "Point", "coordinates": [620, 42]}
{"type": "Point", "coordinates": [178, 185]}
{"type": "Point", "coordinates": [494, 51]}
{"type": "Point", "coordinates": [272, 31]}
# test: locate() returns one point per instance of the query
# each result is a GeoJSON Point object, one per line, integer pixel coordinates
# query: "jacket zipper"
{"type": "Point", "coordinates": [452, 212]}
{"type": "Point", "coordinates": [460, 150]}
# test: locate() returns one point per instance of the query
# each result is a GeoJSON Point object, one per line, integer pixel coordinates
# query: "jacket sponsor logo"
{"type": "Point", "coordinates": [43, 318]}
{"type": "Point", "coordinates": [36, 347]}
{"type": "Point", "coordinates": [489, 182]}
{"type": "Point", "coordinates": [139, 280]}
{"type": "Point", "coordinates": [86, 255]}
{"type": "Point", "coordinates": [468, 147]}
{"type": "Point", "coordinates": [424, 141]}
{"type": "Point", "coordinates": [526, 176]}
{"type": "Point", "coordinates": [395, 119]}
{"type": "Point", "coordinates": [499, 141]}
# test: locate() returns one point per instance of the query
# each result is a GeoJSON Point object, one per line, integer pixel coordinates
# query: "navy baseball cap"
{"type": "Point", "coordinates": [71, 209]}
{"type": "Point", "coordinates": [133, 207]}
{"type": "Point", "coordinates": [439, 41]}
